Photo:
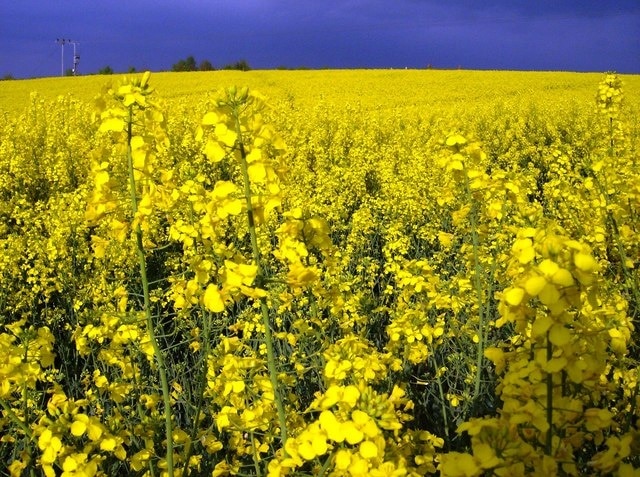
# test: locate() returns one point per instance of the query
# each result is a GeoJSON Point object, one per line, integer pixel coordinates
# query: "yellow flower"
{"type": "Point", "coordinates": [16, 467]}
{"type": "Point", "coordinates": [559, 335]}
{"type": "Point", "coordinates": [212, 299]}
{"type": "Point", "coordinates": [50, 446]}
{"type": "Point", "coordinates": [523, 250]}
{"type": "Point", "coordinates": [535, 284]}
{"type": "Point", "coordinates": [352, 434]}
{"type": "Point", "coordinates": [455, 464]}
{"type": "Point", "coordinates": [596, 419]}
{"type": "Point", "coordinates": [486, 455]}
{"type": "Point", "coordinates": [350, 395]}
{"type": "Point", "coordinates": [514, 296]}
{"type": "Point", "coordinates": [139, 460]}
{"type": "Point", "coordinates": [342, 459]}
{"type": "Point", "coordinates": [358, 467]}
{"type": "Point", "coordinates": [585, 262]}
{"type": "Point", "coordinates": [455, 140]}
{"type": "Point", "coordinates": [332, 426]}
{"type": "Point", "coordinates": [108, 444]}
{"type": "Point", "coordinates": [368, 450]}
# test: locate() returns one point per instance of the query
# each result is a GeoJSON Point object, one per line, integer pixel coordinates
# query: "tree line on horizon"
{"type": "Point", "coordinates": [190, 64]}
{"type": "Point", "coordinates": [187, 64]}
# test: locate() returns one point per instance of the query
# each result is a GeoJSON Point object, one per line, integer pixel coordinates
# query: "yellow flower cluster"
{"type": "Point", "coordinates": [554, 367]}
{"type": "Point", "coordinates": [356, 434]}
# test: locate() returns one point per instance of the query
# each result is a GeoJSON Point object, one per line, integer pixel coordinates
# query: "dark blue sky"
{"type": "Point", "coordinates": [575, 35]}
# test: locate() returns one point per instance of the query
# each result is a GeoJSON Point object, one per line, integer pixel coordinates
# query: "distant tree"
{"type": "Point", "coordinates": [7, 77]}
{"type": "Point", "coordinates": [107, 70]}
{"type": "Point", "coordinates": [132, 69]}
{"type": "Point", "coordinates": [241, 65]}
{"type": "Point", "coordinates": [188, 64]}
{"type": "Point", "coordinates": [205, 65]}
{"type": "Point", "coordinates": [284, 67]}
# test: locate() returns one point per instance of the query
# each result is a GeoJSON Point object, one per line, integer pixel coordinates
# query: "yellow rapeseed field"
{"type": "Point", "coordinates": [342, 273]}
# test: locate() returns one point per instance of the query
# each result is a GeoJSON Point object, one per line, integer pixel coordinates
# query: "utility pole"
{"type": "Point", "coordinates": [61, 42]}
{"type": "Point", "coordinates": [76, 58]}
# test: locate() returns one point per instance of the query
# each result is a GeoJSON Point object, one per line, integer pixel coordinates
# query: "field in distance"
{"type": "Point", "coordinates": [386, 89]}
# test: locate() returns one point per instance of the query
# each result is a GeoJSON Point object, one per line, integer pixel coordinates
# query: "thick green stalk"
{"type": "Point", "coordinates": [203, 383]}
{"type": "Point", "coordinates": [549, 440]}
{"type": "Point", "coordinates": [140, 411]}
{"type": "Point", "coordinates": [477, 282]}
{"type": "Point", "coordinates": [25, 397]}
{"type": "Point", "coordinates": [271, 359]}
{"type": "Point", "coordinates": [142, 262]}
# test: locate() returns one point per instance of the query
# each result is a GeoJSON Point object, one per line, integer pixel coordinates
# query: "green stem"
{"type": "Point", "coordinates": [256, 457]}
{"type": "Point", "coordinates": [312, 299]}
{"type": "Point", "coordinates": [325, 467]}
{"type": "Point", "coordinates": [139, 410]}
{"type": "Point", "coordinates": [203, 383]}
{"type": "Point", "coordinates": [549, 441]}
{"type": "Point", "coordinates": [142, 262]}
{"type": "Point", "coordinates": [25, 396]}
{"type": "Point", "coordinates": [611, 142]}
{"type": "Point", "coordinates": [629, 279]}
{"type": "Point", "coordinates": [12, 415]}
{"type": "Point", "coordinates": [442, 399]}
{"type": "Point", "coordinates": [271, 360]}
{"type": "Point", "coordinates": [477, 282]}
{"type": "Point", "coordinates": [634, 400]}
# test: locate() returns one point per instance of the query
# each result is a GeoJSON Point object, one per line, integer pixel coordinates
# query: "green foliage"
{"type": "Point", "coordinates": [240, 65]}
{"type": "Point", "coordinates": [206, 65]}
{"type": "Point", "coordinates": [188, 64]}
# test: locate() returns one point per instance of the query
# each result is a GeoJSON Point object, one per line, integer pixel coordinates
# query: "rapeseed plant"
{"type": "Point", "coordinates": [221, 284]}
